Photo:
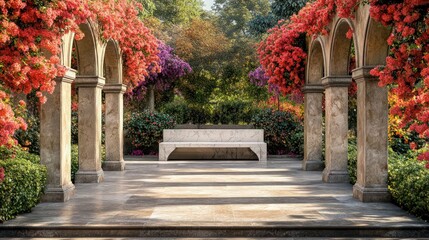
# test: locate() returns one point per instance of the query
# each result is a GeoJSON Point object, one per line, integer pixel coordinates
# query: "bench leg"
{"type": "Point", "coordinates": [165, 151]}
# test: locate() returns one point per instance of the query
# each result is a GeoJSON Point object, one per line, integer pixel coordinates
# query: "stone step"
{"type": "Point", "coordinates": [133, 231]}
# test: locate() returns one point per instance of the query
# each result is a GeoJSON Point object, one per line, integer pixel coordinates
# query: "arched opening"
{"type": "Point", "coordinates": [112, 71]}
{"type": "Point", "coordinates": [316, 64]}
{"type": "Point", "coordinates": [372, 104]}
{"type": "Point", "coordinates": [113, 107]}
{"type": "Point", "coordinates": [88, 88]}
{"type": "Point", "coordinates": [313, 111]}
{"type": "Point", "coordinates": [86, 50]}
{"type": "Point", "coordinates": [340, 103]}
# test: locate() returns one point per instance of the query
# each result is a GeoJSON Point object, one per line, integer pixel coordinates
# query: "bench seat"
{"type": "Point", "coordinates": [219, 139]}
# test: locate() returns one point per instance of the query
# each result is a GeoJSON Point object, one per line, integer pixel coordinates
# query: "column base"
{"type": "Point", "coordinates": [114, 165]}
{"type": "Point", "coordinates": [89, 176]}
{"type": "Point", "coordinates": [366, 194]}
{"type": "Point", "coordinates": [313, 165]}
{"type": "Point", "coordinates": [60, 194]}
{"type": "Point", "coordinates": [335, 176]}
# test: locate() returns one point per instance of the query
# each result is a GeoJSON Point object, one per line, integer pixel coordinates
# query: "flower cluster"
{"type": "Point", "coordinates": [118, 20]}
{"type": "Point", "coordinates": [407, 66]}
{"type": "Point", "coordinates": [1, 174]}
{"type": "Point", "coordinates": [30, 41]}
{"type": "Point", "coordinates": [260, 79]}
{"type": "Point", "coordinates": [171, 68]}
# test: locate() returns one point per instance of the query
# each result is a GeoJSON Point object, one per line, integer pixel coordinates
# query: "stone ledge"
{"type": "Point", "coordinates": [114, 88]}
{"type": "Point", "coordinates": [89, 176]}
{"type": "Point", "coordinates": [367, 194]}
{"type": "Point", "coordinates": [89, 82]}
{"type": "Point", "coordinates": [313, 165]}
{"type": "Point", "coordinates": [114, 165]}
{"type": "Point", "coordinates": [335, 176]}
{"type": "Point", "coordinates": [313, 89]}
{"type": "Point", "coordinates": [60, 194]}
{"type": "Point", "coordinates": [336, 81]}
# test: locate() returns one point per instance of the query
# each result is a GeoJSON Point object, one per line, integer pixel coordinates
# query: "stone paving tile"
{"type": "Point", "coordinates": [215, 193]}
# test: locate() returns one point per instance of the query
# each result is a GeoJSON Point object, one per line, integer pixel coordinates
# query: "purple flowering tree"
{"type": "Point", "coordinates": [172, 68]}
{"type": "Point", "coordinates": [260, 79]}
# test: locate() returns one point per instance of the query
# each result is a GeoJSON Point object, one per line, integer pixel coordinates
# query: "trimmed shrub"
{"type": "Point", "coordinates": [74, 161]}
{"type": "Point", "coordinates": [283, 131]}
{"type": "Point", "coordinates": [352, 160]}
{"type": "Point", "coordinates": [232, 112]}
{"type": "Point", "coordinates": [145, 129]}
{"type": "Point", "coordinates": [178, 110]}
{"type": "Point", "coordinates": [30, 138]}
{"type": "Point", "coordinates": [23, 185]}
{"type": "Point", "coordinates": [409, 184]}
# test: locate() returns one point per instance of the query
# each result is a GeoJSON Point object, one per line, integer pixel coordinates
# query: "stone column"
{"type": "Point", "coordinates": [313, 95]}
{"type": "Point", "coordinates": [372, 123]}
{"type": "Point", "coordinates": [55, 140]}
{"type": "Point", "coordinates": [336, 129]}
{"type": "Point", "coordinates": [114, 127]}
{"type": "Point", "coordinates": [90, 103]}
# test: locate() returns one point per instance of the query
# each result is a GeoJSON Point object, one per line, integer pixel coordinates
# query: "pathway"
{"type": "Point", "coordinates": [198, 194]}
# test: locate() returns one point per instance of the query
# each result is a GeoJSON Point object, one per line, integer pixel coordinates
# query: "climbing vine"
{"type": "Point", "coordinates": [30, 41]}
{"type": "Point", "coordinates": [407, 66]}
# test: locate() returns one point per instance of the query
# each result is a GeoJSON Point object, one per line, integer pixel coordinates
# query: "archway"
{"type": "Point", "coordinates": [113, 92]}
{"type": "Point", "coordinates": [313, 108]}
{"type": "Point", "coordinates": [372, 143]}
{"type": "Point", "coordinates": [336, 103]}
{"type": "Point", "coordinates": [89, 84]}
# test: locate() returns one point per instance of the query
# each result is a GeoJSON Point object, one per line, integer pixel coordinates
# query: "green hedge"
{"type": "Point", "coordinates": [22, 187]}
{"type": "Point", "coordinates": [408, 180]}
{"type": "Point", "coordinates": [145, 129]}
{"type": "Point", "coordinates": [283, 132]}
{"type": "Point", "coordinates": [409, 184]}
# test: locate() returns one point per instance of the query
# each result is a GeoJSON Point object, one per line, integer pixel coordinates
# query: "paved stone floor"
{"type": "Point", "coordinates": [215, 193]}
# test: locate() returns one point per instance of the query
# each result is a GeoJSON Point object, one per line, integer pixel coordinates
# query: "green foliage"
{"type": "Point", "coordinates": [352, 160]}
{"type": "Point", "coordinates": [283, 131]}
{"type": "Point", "coordinates": [409, 184]}
{"type": "Point", "coordinates": [234, 15]}
{"type": "Point", "coordinates": [178, 109]}
{"type": "Point", "coordinates": [74, 127]}
{"type": "Point", "coordinates": [31, 137]}
{"type": "Point", "coordinates": [145, 129]}
{"type": "Point", "coordinates": [232, 112]}
{"type": "Point", "coordinates": [74, 161]}
{"type": "Point", "coordinates": [178, 11]}
{"type": "Point", "coordinates": [23, 185]}
{"type": "Point", "coordinates": [408, 180]}
{"type": "Point", "coordinates": [280, 9]}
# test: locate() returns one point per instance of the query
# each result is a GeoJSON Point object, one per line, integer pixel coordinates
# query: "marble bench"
{"type": "Point", "coordinates": [216, 144]}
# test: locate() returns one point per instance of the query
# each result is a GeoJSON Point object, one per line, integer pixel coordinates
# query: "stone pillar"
{"type": "Point", "coordinates": [336, 129]}
{"type": "Point", "coordinates": [90, 103]}
{"type": "Point", "coordinates": [150, 98]}
{"type": "Point", "coordinates": [114, 127]}
{"type": "Point", "coordinates": [55, 140]}
{"type": "Point", "coordinates": [313, 95]}
{"type": "Point", "coordinates": [372, 123]}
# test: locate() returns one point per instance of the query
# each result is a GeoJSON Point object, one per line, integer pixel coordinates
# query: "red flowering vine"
{"type": "Point", "coordinates": [30, 41]}
{"type": "Point", "coordinates": [1, 174]}
{"type": "Point", "coordinates": [407, 67]}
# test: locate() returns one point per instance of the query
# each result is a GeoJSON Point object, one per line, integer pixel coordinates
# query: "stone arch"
{"type": "Point", "coordinates": [112, 63]}
{"type": "Point", "coordinates": [113, 94]}
{"type": "Point", "coordinates": [371, 184]}
{"type": "Point", "coordinates": [87, 51]}
{"type": "Point", "coordinates": [340, 48]}
{"type": "Point", "coordinates": [316, 63]}
{"type": "Point", "coordinates": [376, 48]}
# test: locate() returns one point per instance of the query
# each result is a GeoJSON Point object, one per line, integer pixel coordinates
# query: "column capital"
{"type": "Point", "coordinates": [336, 81]}
{"type": "Point", "coordinates": [363, 74]}
{"type": "Point", "coordinates": [313, 89]}
{"type": "Point", "coordinates": [89, 82]}
{"type": "Point", "coordinates": [68, 77]}
{"type": "Point", "coordinates": [114, 88]}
